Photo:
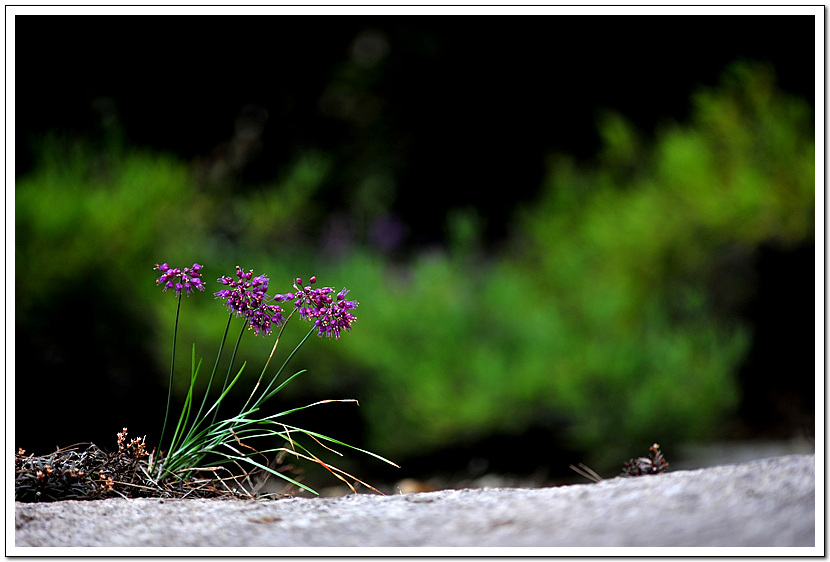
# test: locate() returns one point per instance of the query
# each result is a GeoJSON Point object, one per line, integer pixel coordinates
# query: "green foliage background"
{"type": "Point", "coordinates": [609, 310]}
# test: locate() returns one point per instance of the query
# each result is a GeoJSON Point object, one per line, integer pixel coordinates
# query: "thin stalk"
{"type": "Point", "coordinates": [212, 373]}
{"type": "Point", "coordinates": [185, 415]}
{"type": "Point", "coordinates": [265, 367]}
{"type": "Point", "coordinates": [265, 396]}
{"type": "Point", "coordinates": [170, 382]}
{"type": "Point", "coordinates": [228, 374]}
{"type": "Point", "coordinates": [279, 335]}
{"type": "Point", "coordinates": [214, 428]}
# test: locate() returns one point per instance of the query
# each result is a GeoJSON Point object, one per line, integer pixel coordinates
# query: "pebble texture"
{"type": "Point", "coordinates": [762, 503]}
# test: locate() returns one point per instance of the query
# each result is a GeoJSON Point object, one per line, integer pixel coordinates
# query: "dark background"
{"type": "Point", "coordinates": [459, 109]}
{"type": "Point", "coordinates": [459, 92]}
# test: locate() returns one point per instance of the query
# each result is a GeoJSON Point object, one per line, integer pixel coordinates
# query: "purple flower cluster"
{"type": "Point", "coordinates": [330, 315]}
{"type": "Point", "coordinates": [247, 297]}
{"type": "Point", "coordinates": [186, 279]}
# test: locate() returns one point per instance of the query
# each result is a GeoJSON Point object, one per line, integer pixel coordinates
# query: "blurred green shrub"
{"type": "Point", "coordinates": [607, 310]}
{"type": "Point", "coordinates": [91, 222]}
{"type": "Point", "coordinates": [86, 213]}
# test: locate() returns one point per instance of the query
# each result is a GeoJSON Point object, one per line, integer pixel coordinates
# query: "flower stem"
{"type": "Point", "coordinates": [172, 365]}
{"type": "Point", "coordinates": [265, 367]}
{"type": "Point", "coordinates": [279, 335]}
{"type": "Point", "coordinates": [230, 366]}
{"type": "Point", "coordinates": [213, 373]}
{"type": "Point", "coordinates": [265, 395]}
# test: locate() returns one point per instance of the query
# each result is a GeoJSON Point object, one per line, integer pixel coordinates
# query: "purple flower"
{"type": "Point", "coordinates": [330, 315]}
{"type": "Point", "coordinates": [186, 279]}
{"type": "Point", "coordinates": [247, 297]}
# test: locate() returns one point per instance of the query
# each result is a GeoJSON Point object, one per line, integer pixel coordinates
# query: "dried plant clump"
{"type": "Point", "coordinates": [65, 474]}
{"type": "Point", "coordinates": [86, 472]}
{"type": "Point", "coordinates": [654, 463]}
{"type": "Point", "coordinates": [79, 472]}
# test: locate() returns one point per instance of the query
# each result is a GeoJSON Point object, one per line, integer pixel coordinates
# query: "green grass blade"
{"type": "Point", "coordinates": [260, 400]}
{"type": "Point", "coordinates": [185, 415]}
{"type": "Point", "coordinates": [281, 386]}
{"type": "Point", "coordinates": [338, 442]}
{"type": "Point", "coordinates": [267, 469]}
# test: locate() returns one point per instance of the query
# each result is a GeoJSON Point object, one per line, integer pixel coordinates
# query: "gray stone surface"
{"type": "Point", "coordinates": [762, 503]}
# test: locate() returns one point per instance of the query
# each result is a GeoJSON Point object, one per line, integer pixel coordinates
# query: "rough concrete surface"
{"type": "Point", "coordinates": [769, 502]}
